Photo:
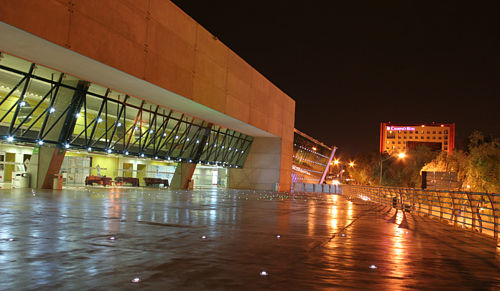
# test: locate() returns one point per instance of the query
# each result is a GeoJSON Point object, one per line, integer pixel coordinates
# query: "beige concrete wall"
{"type": "Point", "coordinates": [262, 166]}
{"type": "Point", "coordinates": [156, 41]}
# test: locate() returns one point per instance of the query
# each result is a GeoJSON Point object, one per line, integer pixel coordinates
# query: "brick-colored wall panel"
{"type": "Point", "coordinates": [125, 20]}
{"type": "Point", "coordinates": [206, 69]}
{"type": "Point", "coordinates": [170, 46]}
{"type": "Point", "coordinates": [237, 108]}
{"type": "Point", "coordinates": [48, 19]}
{"type": "Point", "coordinates": [173, 18]}
{"type": "Point", "coordinates": [211, 46]}
{"type": "Point", "coordinates": [238, 88]}
{"type": "Point", "coordinates": [165, 74]}
{"type": "Point", "coordinates": [119, 52]}
{"type": "Point", "coordinates": [204, 92]}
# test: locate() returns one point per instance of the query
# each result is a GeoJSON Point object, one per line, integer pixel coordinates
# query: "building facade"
{"type": "Point", "coordinates": [140, 87]}
{"type": "Point", "coordinates": [396, 138]}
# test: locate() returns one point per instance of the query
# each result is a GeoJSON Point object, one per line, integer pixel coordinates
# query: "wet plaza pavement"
{"type": "Point", "coordinates": [155, 239]}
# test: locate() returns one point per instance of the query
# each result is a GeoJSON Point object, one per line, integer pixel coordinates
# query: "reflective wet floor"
{"type": "Point", "coordinates": [155, 239]}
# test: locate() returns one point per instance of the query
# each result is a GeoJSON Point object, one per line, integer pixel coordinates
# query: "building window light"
{"type": "Point", "coordinates": [10, 139]}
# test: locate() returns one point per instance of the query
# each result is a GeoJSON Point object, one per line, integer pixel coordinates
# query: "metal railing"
{"type": "Point", "coordinates": [478, 212]}
{"type": "Point", "coordinates": [316, 188]}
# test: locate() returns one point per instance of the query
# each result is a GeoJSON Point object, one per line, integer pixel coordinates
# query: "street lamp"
{"type": "Point", "coordinates": [401, 156]}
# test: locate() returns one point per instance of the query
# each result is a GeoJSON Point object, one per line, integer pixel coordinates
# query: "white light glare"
{"type": "Point", "coordinates": [203, 237]}
{"type": "Point", "coordinates": [66, 145]}
{"type": "Point", "coordinates": [110, 151]}
{"type": "Point", "coordinates": [89, 149]}
{"type": "Point", "coordinates": [264, 273]}
{"type": "Point", "coordinates": [52, 110]}
{"type": "Point", "coordinates": [119, 124]}
{"type": "Point", "coordinates": [126, 153]}
{"type": "Point", "coordinates": [99, 120]}
{"type": "Point", "coordinates": [373, 267]}
{"type": "Point", "coordinates": [40, 142]}
{"type": "Point", "coordinates": [22, 103]}
{"type": "Point", "coordinates": [136, 280]}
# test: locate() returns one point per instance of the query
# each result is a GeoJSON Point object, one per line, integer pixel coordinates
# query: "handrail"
{"type": "Point", "coordinates": [475, 211]}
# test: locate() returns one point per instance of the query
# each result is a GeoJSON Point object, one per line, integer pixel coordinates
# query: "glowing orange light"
{"type": "Point", "coordinates": [314, 148]}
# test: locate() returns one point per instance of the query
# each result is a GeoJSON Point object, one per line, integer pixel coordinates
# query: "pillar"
{"type": "Point", "coordinates": [183, 174]}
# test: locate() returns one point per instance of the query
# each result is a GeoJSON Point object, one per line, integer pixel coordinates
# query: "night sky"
{"type": "Point", "coordinates": [351, 64]}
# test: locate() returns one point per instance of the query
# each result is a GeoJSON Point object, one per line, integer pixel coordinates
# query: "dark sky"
{"type": "Point", "coordinates": [351, 64]}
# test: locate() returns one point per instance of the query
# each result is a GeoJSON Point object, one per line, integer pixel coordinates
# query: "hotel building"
{"type": "Point", "coordinates": [395, 138]}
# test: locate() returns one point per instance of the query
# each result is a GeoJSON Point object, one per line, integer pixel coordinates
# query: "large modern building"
{"type": "Point", "coordinates": [396, 138]}
{"type": "Point", "coordinates": [133, 90]}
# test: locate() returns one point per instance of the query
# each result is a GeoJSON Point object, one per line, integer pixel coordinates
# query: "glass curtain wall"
{"type": "Point", "coordinates": [42, 106]}
{"type": "Point", "coordinates": [310, 158]}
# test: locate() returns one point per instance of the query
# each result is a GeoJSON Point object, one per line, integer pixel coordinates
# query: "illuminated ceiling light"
{"type": "Point", "coordinates": [373, 267]}
{"type": "Point", "coordinates": [151, 131]}
{"type": "Point", "coordinates": [187, 139]}
{"type": "Point", "coordinates": [89, 149]}
{"type": "Point", "coordinates": [66, 145]}
{"type": "Point", "coordinates": [203, 237]}
{"type": "Point", "coordinates": [206, 143]}
{"type": "Point", "coordinates": [119, 124]}
{"type": "Point", "coordinates": [22, 103]}
{"type": "Point", "coordinates": [156, 157]}
{"type": "Point", "coordinates": [126, 153]}
{"type": "Point", "coordinates": [110, 151]}
{"type": "Point", "coordinates": [278, 236]}
{"type": "Point", "coordinates": [164, 134]}
{"type": "Point", "coordinates": [190, 161]}
{"type": "Point", "coordinates": [136, 128]}
{"type": "Point", "coordinates": [99, 120]}
{"type": "Point", "coordinates": [40, 142]}
{"type": "Point", "coordinates": [10, 139]}
{"type": "Point", "coordinates": [168, 158]}
{"type": "Point", "coordinates": [176, 137]}
{"type": "Point", "coordinates": [229, 148]}
{"type": "Point", "coordinates": [197, 141]}
{"type": "Point", "coordinates": [136, 280]}
{"type": "Point", "coordinates": [314, 148]}
{"type": "Point", "coordinates": [77, 115]}
{"type": "Point", "coordinates": [142, 155]}
{"type": "Point", "coordinates": [112, 238]}
{"type": "Point", "coordinates": [52, 110]}
{"type": "Point", "coordinates": [264, 273]}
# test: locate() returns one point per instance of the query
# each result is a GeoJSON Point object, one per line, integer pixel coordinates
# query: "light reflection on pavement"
{"type": "Point", "coordinates": [225, 240]}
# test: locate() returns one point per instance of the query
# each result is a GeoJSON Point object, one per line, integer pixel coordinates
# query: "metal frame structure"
{"type": "Point", "coordinates": [71, 113]}
{"type": "Point", "coordinates": [478, 212]}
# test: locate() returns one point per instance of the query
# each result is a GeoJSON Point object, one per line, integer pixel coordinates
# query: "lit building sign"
{"type": "Point", "coordinates": [396, 128]}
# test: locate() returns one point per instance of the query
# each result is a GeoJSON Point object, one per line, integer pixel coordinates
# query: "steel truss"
{"type": "Point", "coordinates": [72, 113]}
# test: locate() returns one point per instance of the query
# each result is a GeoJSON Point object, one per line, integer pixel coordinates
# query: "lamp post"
{"type": "Point", "coordinates": [399, 156]}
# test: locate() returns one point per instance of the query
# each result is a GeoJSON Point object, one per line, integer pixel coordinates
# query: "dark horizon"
{"type": "Point", "coordinates": [350, 66]}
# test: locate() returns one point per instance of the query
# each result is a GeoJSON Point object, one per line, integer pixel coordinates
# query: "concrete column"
{"type": "Point", "coordinates": [262, 167]}
{"type": "Point", "coordinates": [44, 164]}
{"type": "Point", "coordinates": [183, 174]}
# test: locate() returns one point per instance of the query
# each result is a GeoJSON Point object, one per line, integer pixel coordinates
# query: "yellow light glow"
{"type": "Point", "coordinates": [352, 164]}
{"type": "Point", "coordinates": [314, 148]}
{"type": "Point", "coordinates": [401, 155]}
{"type": "Point", "coordinates": [336, 162]}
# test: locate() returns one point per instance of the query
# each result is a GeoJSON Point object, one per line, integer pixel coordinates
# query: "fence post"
{"type": "Point", "coordinates": [495, 217]}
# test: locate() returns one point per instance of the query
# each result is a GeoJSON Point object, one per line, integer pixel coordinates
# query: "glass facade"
{"type": "Point", "coordinates": [310, 159]}
{"type": "Point", "coordinates": [42, 106]}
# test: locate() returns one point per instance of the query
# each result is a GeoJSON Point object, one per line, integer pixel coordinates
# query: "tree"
{"type": "Point", "coordinates": [483, 165]}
